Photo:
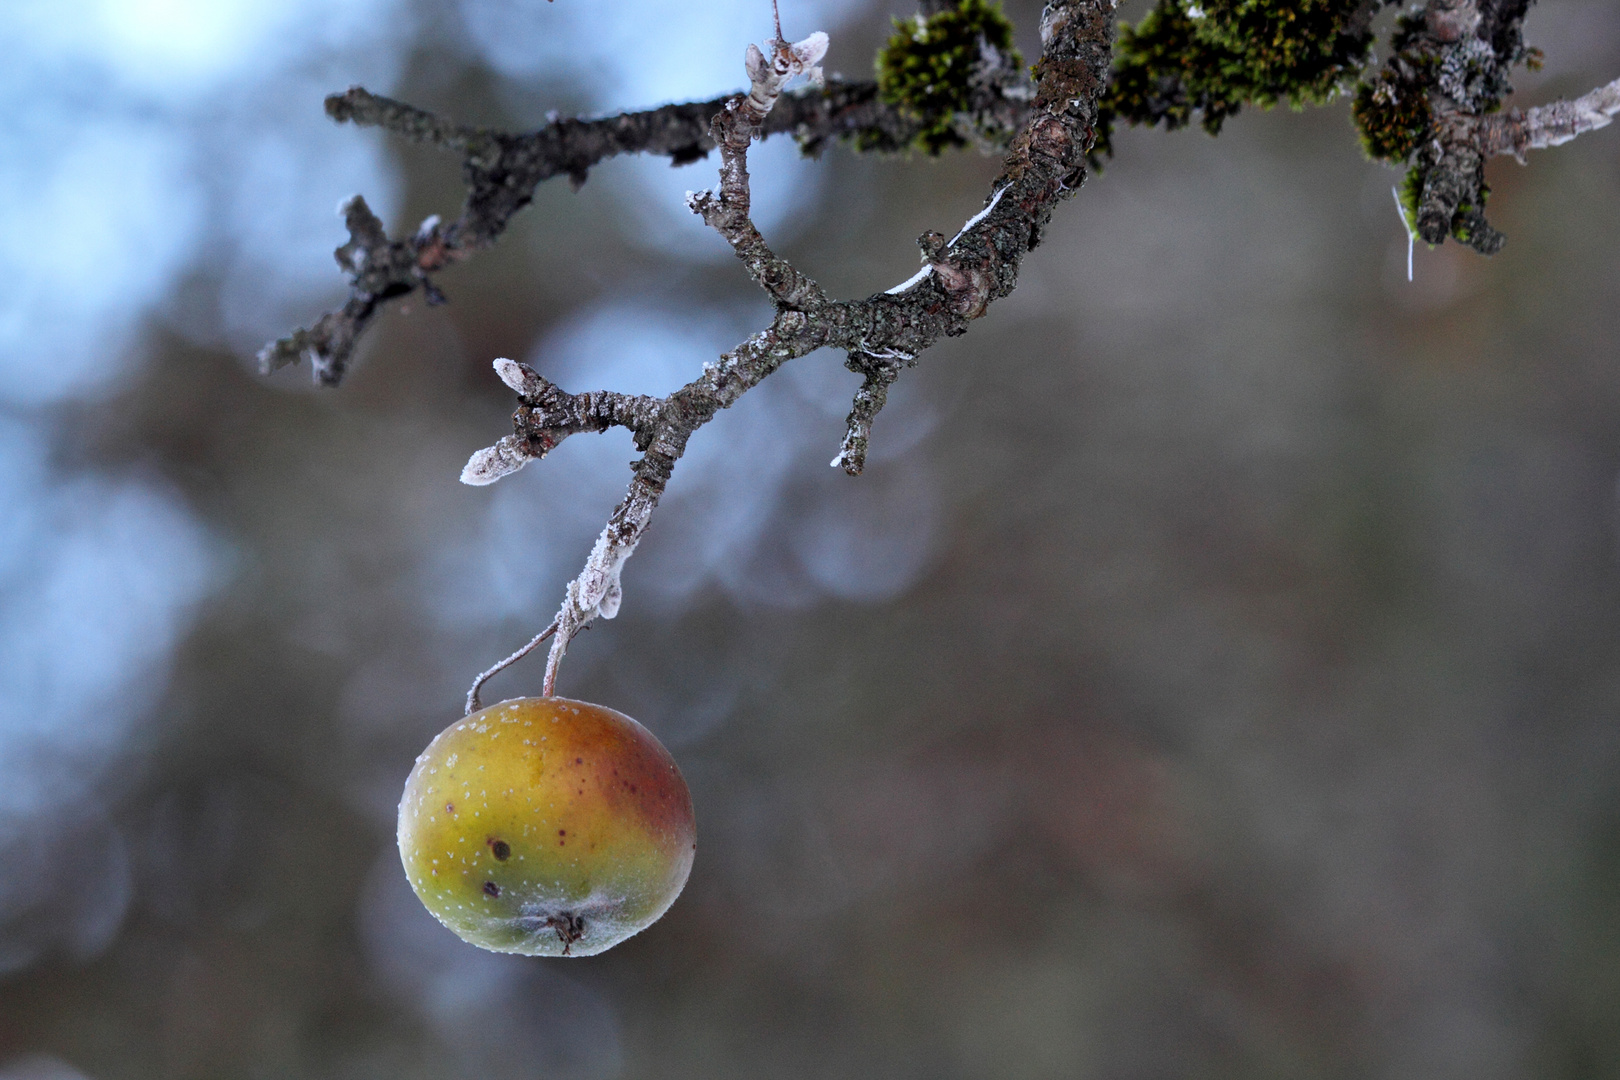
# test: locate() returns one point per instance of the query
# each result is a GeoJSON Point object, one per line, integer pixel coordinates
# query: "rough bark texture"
{"type": "Point", "coordinates": [1471, 47]}
{"type": "Point", "coordinates": [502, 171]}
{"type": "Point", "coordinates": [1045, 163]}
{"type": "Point", "coordinates": [1545, 126]}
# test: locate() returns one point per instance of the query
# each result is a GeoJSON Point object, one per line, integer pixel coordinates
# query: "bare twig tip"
{"type": "Point", "coordinates": [493, 462]}
{"type": "Point", "coordinates": [510, 372]}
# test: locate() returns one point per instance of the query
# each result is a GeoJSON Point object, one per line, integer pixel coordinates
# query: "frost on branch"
{"type": "Point", "coordinates": [1514, 132]}
{"type": "Point", "coordinates": [786, 63]}
{"type": "Point", "coordinates": [519, 378]}
{"type": "Point", "coordinates": [1434, 106]}
{"type": "Point", "coordinates": [881, 334]}
{"type": "Point", "coordinates": [598, 591]}
{"type": "Point", "coordinates": [547, 415]}
{"type": "Point", "coordinates": [503, 170]}
{"type": "Point", "coordinates": [493, 462]}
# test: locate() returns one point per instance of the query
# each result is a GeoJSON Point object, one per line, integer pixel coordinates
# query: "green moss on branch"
{"type": "Point", "coordinates": [936, 66]}
{"type": "Point", "coordinates": [1186, 60]}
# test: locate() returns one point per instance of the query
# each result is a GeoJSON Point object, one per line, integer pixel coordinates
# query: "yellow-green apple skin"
{"type": "Point", "coordinates": [547, 827]}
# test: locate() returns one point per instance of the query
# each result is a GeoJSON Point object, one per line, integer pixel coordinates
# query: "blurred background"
{"type": "Point", "coordinates": [1215, 674]}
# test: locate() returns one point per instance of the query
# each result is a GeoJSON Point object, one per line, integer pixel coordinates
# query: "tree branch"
{"type": "Point", "coordinates": [880, 373]}
{"type": "Point", "coordinates": [548, 414]}
{"type": "Point", "coordinates": [1473, 46]}
{"type": "Point", "coordinates": [961, 277]}
{"type": "Point", "coordinates": [1545, 126]}
{"type": "Point", "coordinates": [733, 128]}
{"type": "Point", "coordinates": [502, 172]}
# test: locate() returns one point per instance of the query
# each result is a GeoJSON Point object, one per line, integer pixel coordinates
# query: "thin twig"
{"type": "Point", "coordinates": [1553, 124]}
{"type": "Point", "coordinates": [502, 172]}
{"type": "Point", "coordinates": [473, 704]}
{"type": "Point", "coordinates": [597, 590]}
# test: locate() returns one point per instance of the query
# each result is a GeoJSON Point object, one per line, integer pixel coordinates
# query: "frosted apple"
{"type": "Point", "coordinates": [547, 827]}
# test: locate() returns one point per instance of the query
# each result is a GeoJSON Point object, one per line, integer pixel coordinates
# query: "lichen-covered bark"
{"type": "Point", "coordinates": [1475, 46]}
{"type": "Point", "coordinates": [1432, 106]}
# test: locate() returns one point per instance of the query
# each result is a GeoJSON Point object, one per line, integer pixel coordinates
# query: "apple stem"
{"type": "Point", "coordinates": [473, 704]}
